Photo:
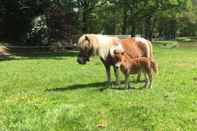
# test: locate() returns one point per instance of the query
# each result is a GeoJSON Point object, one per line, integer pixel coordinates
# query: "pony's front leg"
{"type": "Point", "coordinates": [108, 73]}
{"type": "Point", "coordinates": [116, 71]}
{"type": "Point", "coordinates": [139, 76]}
{"type": "Point", "coordinates": [109, 83]}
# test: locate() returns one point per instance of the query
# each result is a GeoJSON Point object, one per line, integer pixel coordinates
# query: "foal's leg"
{"type": "Point", "coordinates": [116, 71]}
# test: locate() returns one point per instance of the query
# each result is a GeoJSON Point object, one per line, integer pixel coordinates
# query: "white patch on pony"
{"type": "Point", "coordinates": [104, 45]}
{"type": "Point", "coordinates": [117, 46]}
{"type": "Point", "coordinates": [141, 39]}
{"type": "Point", "coordinates": [107, 45]}
{"type": "Point", "coordinates": [144, 41]}
{"type": "Point", "coordinates": [118, 64]}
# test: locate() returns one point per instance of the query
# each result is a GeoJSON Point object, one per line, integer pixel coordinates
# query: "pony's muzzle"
{"type": "Point", "coordinates": [80, 60]}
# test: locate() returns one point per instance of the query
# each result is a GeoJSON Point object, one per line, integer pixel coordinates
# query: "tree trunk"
{"type": "Point", "coordinates": [84, 22]}
{"type": "Point", "coordinates": [133, 29]}
{"type": "Point", "coordinates": [148, 28]}
{"type": "Point", "coordinates": [124, 26]}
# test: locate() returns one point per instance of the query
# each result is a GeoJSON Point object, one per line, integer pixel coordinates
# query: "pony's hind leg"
{"type": "Point", "coordinates": [139, 76]}
{"type": "Point", "coordinates": [150, 79]}
{"type": "Point", "coordinates": [146, 80]}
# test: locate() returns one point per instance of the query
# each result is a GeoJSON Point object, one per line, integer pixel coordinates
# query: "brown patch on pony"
{"type": "Point", "coordinates": [136, 48]}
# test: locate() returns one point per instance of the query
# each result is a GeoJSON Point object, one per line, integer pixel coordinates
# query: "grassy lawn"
{"type": "Point", "coordinates": [54, 93]}
{"type": "Point", "coordinates": [180, 42]}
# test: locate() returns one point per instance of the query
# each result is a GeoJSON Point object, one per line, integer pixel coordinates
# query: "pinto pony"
{"type": "Point", "coordinates": [130, 65]}
{"type": "Point", "coordinates": [104, 46]}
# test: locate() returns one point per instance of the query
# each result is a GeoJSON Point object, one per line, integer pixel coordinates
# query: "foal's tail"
{"type": "Point", "coordinates": [154, 67]}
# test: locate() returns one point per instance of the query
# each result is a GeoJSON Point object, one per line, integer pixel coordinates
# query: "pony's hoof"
{"type": "Point", "coordinates": [108, 82]}
{"type": "Point", "coordinates": [138, 80]}
{"type": "Point", "coordinates": [145, 86]}
{"type": "Point", "coordinates": [117, 83]}
{"type": "Point", "coordinates": [128, 87]}
{"type": "Point", "coordinates": [102, 89]}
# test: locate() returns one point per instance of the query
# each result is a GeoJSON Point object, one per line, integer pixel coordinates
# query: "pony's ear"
{"type": "Point", "coordinates": [122, 53]}
{"type": "Point", "coordinates": [115, 51]}
{"type": "Point", "coordinates": [86, 37]}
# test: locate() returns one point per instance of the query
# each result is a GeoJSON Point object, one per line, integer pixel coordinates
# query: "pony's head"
{"type": "Point", "coordinates": [87, 49]}
{"type": "Point", "coordinates": [93, 44]}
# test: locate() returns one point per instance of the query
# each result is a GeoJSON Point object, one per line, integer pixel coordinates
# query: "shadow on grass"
{"type": "Point", "coordinates": [99, 85]}
{"type": "Point", "coordinates": [79, 86]}
{"type": "Point", "coordinates": [42, 55]}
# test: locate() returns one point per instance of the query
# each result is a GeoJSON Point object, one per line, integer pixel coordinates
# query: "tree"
{"type": "Point", "coordinates": [16, 17]}
{"type": "Point", "coordinates": [187, 20]}
{"type": "Point", "coordinates": [166, 18]}
{"type": "Point", "coordinates": [86, 8]}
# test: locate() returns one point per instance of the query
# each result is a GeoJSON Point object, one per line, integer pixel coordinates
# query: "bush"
{"type": "Point", "coordinates": [39, 32]}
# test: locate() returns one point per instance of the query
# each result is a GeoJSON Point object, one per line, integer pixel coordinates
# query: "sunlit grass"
{"type": "Point", "coordinates": [55, 93]}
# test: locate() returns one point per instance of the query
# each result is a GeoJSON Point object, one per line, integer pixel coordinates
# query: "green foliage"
{"type": "Point", "coordinates": [188, 20]}
{"type": "Point", "coordinates": [17, 15]}
{"type": "Point", "coordinates": [150, 18]}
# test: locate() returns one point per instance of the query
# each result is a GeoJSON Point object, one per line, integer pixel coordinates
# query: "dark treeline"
{"type": "Point", "coordinates": [42, 22]}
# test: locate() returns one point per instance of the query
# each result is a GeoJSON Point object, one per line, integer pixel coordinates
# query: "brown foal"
{"type": "Point", "coordinates": [130, 65]}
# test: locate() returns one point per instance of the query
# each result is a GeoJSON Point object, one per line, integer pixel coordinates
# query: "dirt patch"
{"type": "Point", "coordinates": [187, 45]}
{"type": "Point", "coordinates": [4, 52]}
{"type": "Point", "coordinates": [195, 78]}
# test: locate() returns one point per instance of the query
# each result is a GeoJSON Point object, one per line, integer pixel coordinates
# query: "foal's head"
{"type": "Point", "coordinates": [118, 57]}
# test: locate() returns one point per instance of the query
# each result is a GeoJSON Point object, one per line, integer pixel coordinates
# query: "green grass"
{"type": "Point", "coordinates": [180, 42]}
{"type": "Point", "coordinates": [187, 39]}
{"type": "Point", "coordinates": [54, 93]}
{"type": "Point", "coordinates": [166, 44]}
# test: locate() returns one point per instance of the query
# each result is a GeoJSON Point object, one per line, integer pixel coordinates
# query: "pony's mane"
{"type": "Point", "coordinates": [102, 45]}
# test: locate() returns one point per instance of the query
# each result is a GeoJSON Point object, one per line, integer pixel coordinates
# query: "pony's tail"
{"type": "Point", "coordinates": [149, 50]}
{"type": "Point", "coordinates": [154, 67]}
